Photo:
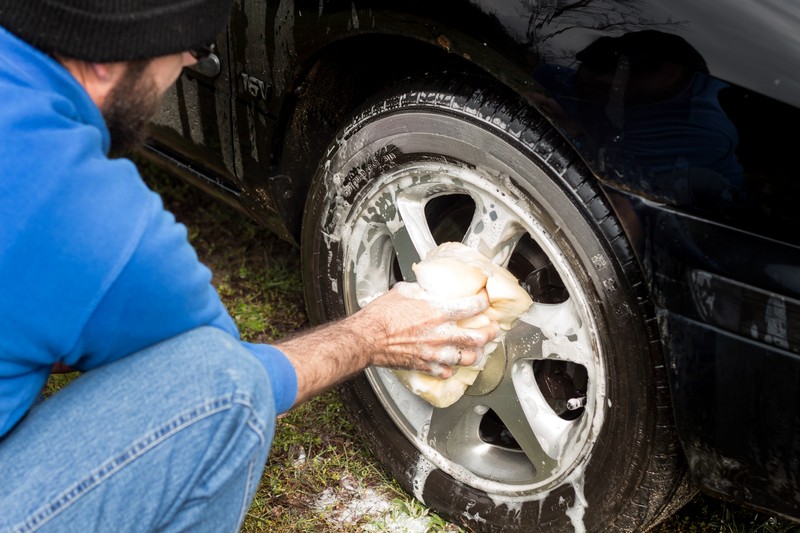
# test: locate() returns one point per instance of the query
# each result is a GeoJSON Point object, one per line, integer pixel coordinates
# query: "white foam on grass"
{"type": "Point", "coordinates": [368, 508]}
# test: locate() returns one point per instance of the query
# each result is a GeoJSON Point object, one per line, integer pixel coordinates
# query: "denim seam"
{"type": "Point", "coordinates": [64, 500]}
{"type": "Point", "coordinates": [245, 499]}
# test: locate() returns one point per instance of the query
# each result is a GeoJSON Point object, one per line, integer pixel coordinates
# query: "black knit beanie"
{"type": "Point", "coordinates": [104, 31]}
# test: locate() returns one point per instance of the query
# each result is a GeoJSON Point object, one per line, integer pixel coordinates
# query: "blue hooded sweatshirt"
{"type": "Point", "coordinates": [92, 268]}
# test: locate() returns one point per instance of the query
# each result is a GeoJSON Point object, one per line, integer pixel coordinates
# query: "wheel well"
{"type": "Point", "coordinates": [335, 83]}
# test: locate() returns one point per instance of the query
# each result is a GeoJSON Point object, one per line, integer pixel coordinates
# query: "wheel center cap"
{"type": "Point", "coordinates": [491, 375]}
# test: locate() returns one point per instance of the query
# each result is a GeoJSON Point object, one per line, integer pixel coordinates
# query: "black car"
{"type": "Point", "coordinates": [631, 162]}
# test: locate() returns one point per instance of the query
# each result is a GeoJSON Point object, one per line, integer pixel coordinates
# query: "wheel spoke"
{"type": "Point", "coordinates": [538, 450]}
{"type": "Point", "coordinates": [523, 342]}
{"type": "Point", "coordinates": [494, 232]}
{"type": "Point", "coordinates": [554, 319]}
{"type": "Point", "coordinates": [532, 415]}
{"type": "Point", "coordinates": [406, 252]}
{"type": "Point", "coordinates": [454, 428]}
{"type": "Point", "coordinates": [564, 336]}
{"type": "Point", "coordinates": [455, 432]}
{"type": "Point", "coordinates": [410, 232]}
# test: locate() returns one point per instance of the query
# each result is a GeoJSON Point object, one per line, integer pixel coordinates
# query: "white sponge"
{"type": "Point", "coordinates": [453, 270]}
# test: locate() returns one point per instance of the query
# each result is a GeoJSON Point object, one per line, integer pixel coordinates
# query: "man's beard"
{"type": "Point", "coordinates": [129, 107]}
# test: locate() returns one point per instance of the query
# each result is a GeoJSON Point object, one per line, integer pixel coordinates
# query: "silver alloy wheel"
{"type": "Point", "coordinates": [510, 434]}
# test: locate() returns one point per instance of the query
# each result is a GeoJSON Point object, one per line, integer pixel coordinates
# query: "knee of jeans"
{"type": "Point", "coordinates": [231, 367]}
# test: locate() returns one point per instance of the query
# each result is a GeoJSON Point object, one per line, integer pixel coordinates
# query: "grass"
{"type": "Point", "coordinates": [318, 476]}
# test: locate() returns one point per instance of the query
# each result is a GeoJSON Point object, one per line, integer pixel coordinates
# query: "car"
{"type": "Point", "coordinates": [631, 162]}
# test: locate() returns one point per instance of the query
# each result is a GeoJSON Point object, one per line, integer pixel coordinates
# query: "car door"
{"type": "Point", "coordinates": [255, 47]}
{"type": "Point", "coordinates": [194, 122]}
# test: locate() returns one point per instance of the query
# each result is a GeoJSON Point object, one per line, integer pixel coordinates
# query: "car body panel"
{"type": "Point", "coordinates": [730, 322]}
{"type": "Point", "coordinates": [702, 178]}
{"type": "Point", "coordinates": [195, 120]}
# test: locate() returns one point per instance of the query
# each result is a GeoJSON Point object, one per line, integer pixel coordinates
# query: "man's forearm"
{"type": "Point", "coordinates": [398, 329]}
{"type": "Point", "coordinates": [324, 356]}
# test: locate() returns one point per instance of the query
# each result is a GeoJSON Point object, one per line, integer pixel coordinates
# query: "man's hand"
{"type": "Point", "coordinates": [398, 329]}
{"type": "Point", "coordinates": [424, 334]}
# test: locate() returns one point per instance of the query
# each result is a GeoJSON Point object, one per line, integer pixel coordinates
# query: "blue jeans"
{"type": "Point", "coordinates": [172, 438]}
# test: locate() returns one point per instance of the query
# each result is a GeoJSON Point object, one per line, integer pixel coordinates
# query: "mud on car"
{"type": "Point", "coordinates": [633, 163]}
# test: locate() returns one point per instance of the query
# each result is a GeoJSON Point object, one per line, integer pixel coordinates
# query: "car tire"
{"type": "Point", "coordinates": [570, 429]}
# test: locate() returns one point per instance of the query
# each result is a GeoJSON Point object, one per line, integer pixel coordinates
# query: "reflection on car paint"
{"type": "Point", "coordinates": [643, 108]}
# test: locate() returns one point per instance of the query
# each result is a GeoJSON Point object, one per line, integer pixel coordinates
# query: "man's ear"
{"type": "Point", "coordinates": [97, 78]}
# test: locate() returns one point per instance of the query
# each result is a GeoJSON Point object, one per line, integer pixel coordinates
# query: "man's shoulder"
{"type": "Point", "coordinates": [41, 98]}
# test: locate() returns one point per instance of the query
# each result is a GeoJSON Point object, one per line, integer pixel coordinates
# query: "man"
{"type": "Point", "coordinates": [169, 425]}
